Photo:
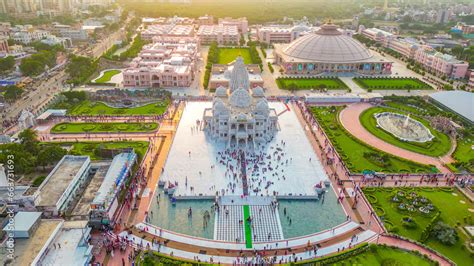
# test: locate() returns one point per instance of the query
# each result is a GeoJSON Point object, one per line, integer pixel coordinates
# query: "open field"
{"type": "Point", "coordinates": [455, 211]}
{"type": "Point", "coordinates": [392, 84]}
{"type": "Point", "coordinates": [100, 108]}
{"type": "Point", "coordinates": [227, 55]}
{"type": "Point", "coordinates": [311, 83]}
{"type": "Point", "coordinates": [357, 155]}
{"type": "Point", "coordinates": [107, 76]}
{"type": "Point", "coordinates": [439, 146]}
{"type": "Point", "coordinates": [65, 128]}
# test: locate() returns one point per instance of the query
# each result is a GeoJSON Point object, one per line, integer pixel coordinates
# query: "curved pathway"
{"type": "Point", "coordinates": [349, 118]}
{"type": "Point", "coordinates": [406, 245]}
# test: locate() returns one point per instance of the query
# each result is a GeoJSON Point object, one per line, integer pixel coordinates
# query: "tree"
{"type": "Point", "coordinates": [445, 234]}
{"type": "Point", "coordinates": [12, 93]}
{"type": "Point", "coordinates": [29, 139]}
{"type": "Point", "coordinates": [7, 63]}
{"type": "Point", "coordinates": [80, 69]}
{"type": "Point", "coordinates": [242, 40]}
{"type": "Point", "coordinates": [31, 67]}
{"type": "Point", "coordinates": [49, 155]}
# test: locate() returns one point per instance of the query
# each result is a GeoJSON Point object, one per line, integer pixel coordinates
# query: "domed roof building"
{"type": "Point", "coordinates": [328, 50]}
{"type": "Point", "coordinates": [240, 115]}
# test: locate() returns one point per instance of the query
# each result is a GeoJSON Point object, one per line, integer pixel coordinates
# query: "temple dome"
{"type": "Point", "coordinates": [327, 44]}
{"type": "Point", "coordinates": [240, 98]}
{"type": "Point", "coordinates": [262, 107]}
{"type": "Point", "coordinates": [219, 107]}
{"type": "Point", "coordinates": [221, 92]}
{"type": "Point", "coordinates": [258, 92]}
{"type": "Point", "coordinates": [239, 77]}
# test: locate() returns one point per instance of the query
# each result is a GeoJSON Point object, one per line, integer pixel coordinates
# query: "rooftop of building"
{"type": "Point", "coordinates": [73, 250]}
{"type": "Point", "coordinates": [119, 165]}
{"type": "Point", "coordinates": [60, 178]}
{"type": "Point", "coordinates": [26, 250]}
{"type": "Point", "coordinates": [460, 102]}
{"type": "Point", "coordinates": [82, 208]}
{"type": "Point", "coordinates": [23, 221]}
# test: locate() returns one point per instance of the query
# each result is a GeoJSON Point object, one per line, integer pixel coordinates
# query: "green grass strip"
{"type": "Point", "coordinates": [248, 227]}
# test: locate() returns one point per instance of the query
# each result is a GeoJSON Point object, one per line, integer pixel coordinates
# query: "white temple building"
{"type": "Point", "coordinates": [26, 120]}
{"type": "Point", "coordinates": [240, 115]}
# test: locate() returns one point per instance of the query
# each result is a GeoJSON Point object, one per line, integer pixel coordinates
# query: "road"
{"type": "Point", "coordinates": [37, 96]}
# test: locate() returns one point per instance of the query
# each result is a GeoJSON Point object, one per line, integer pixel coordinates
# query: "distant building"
{"type": "Point", "coordinates": [441, 64]}
{"type": "Point", "coordinates": [459, 102]}
{"type": "Point", "coordinates": [222, 34]}
{"type": "Point", "coordinates": [464, 28]}
{"type": "Point", "coordinates": [170, 30]}
{"type": "Point", "coordinates": [281, 33]}
{"type": "Point", "coordinates": [61, 41]}
{"type": "Point", "coordinates": [63, 185]}
{"type": "Point", "coordinates": [4, 48]}
{"type": "Point", "coordinates": [27, 36]}
{"type": "Point", "coordinates": [241, 23]}
{"type": "Point", "coordinates": [329, 50]}
{"type": "Point", "coordinates": [471, 79]}
{"type": "Point", "coordinates": [168, 62]}
{"type": "Point", "coordinates": [205, 20]}
{"type": "Point", "coordinates": [105, 203]}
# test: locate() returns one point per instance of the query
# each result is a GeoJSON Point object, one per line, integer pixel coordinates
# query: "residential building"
{"type": "Point", "coordinates": [63, 185]}
{"type": "Point", "coordinates": [241, 23]}
{"type": "Point", "coordinates": [471, 79]}
{"type": "Point", "coordinates": [25, 224]}
{"type": "Point", "coordinates": [222, 34]}
{"type": "Point", "coordinates": [168, 62]}
{"type": "Point", "coordinates": [105, 203]}
{"type": "Point", "coordinates": [375, 34]}
{"type": "Point", "coordinates": [27, 34]}
{"type": "Point", "coordinates": [62, 41]}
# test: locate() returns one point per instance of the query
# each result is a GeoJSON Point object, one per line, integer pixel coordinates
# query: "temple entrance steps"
{"type": "Point", "coordinates": [228, 226]}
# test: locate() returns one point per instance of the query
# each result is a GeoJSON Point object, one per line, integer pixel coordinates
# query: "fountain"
{"type": "Point", "coordinates": [403, 127]}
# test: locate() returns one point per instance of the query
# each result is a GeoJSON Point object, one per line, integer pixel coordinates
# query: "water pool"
{"type": "Point", "coordinates": [175, 217]}
{"type": "Point", "coordinates": [310, 216]}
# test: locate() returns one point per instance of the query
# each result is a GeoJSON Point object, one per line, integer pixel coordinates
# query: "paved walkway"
{"type": "Point", "coordinates": [403, 244]}
{"type": "Point", "coordinates": [349, 118]}
{"type": "Point", "coordinates": [352, 85]}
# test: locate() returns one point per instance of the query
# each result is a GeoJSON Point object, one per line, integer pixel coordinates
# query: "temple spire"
{"type": "Point", "coordinates": [239, 77]}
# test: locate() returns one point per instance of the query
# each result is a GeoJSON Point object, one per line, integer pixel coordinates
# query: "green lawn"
{"type": "Point", "coordinates": [357, 155]}
{"type": "Point", "coordinates": [89, 148]}
{"type": "Point", "coordinates": [464, 153]}
{"type": "Point", "coordinates": [248, 227]}
{"type": "Point", "coordinates": [383, 255]}
{"type": "Point", "coordinates": [100, 108]}
{"type": "Point", "coordinates": [439, 146]}
{"type": "Point", "coordinates": [64, 128]}
{"type": "Point", "coordinates": [227, 55]}
{"type": "Point", "coordinates": [392, 84]}
{"type": "Point", "coordinates": [451, 203]}
{"type": "Point", "coordinates": [311, 83]}
{"type": "Point", "coordinates": [107, 76]}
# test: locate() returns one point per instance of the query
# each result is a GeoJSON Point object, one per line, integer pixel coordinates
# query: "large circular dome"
{"type": "Point", "coordinates": [328, 45]}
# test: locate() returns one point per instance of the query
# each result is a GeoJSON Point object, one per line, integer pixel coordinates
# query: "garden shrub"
{"type": "Point", "coordinates": [444, 233]}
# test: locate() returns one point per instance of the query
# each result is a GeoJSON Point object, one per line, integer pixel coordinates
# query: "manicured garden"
{"type": "Point", "coordinates": [69, 128]}
{"type": "Point", "coordinates": [438, 146]}
{"type": "Point", "coordinates": [311, 83]}
{"type": "Point", "coordinates": [384, 255]}
{"type": "Point", "coordinates": [392, 84]}
{"type": "Point", "coordinates": [100, 108]}
{"type": "Point", "coordinates": [463, 154]}
{"type": "Point", "coordinates": [92, 148]}
{"type": "Point", "coordinates": [357, 155]}
{"type": "Point", "coordinates": [227, 55]}
{"type": "Point", "coordinates": [107, 76]}
{"type": "Point", "coordinates": [432, 216]}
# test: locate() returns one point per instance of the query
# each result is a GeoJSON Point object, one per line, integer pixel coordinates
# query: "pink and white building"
{"type": "Point", "coordinates": [441, 64]}
{"type": "Point", "coordinates": [167, 30]}
{"type": "Point", "coordinates": [281, 33]}
{"type": "Point", "coordinates": [168, 62]}
{"type": "Point", "coordinates": [242, 24]}
{"type": "Point", "coordinates": [222, 34]}
{"type": "Point", "coordinates": [471, 79]}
